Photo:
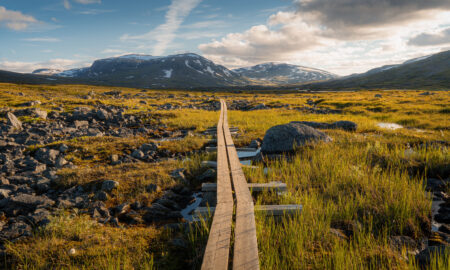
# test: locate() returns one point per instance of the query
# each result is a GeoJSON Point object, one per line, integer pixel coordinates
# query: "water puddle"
{"type": "Point", "coordinates": [434, 211]}
{"type": "Point", "coordinates": [187, 212]}
{"type": "Point", "coordinates": [391, 126]}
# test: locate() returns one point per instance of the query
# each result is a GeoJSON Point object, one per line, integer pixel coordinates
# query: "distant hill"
{"type": "Point", "coordinates": [174, 71]}
{"type": "Point", "coordinates": [192, 71]}
{"type": "Point", "coordinates": [279, 73]}
{"type": "Point", "coordinates": [430, 72]}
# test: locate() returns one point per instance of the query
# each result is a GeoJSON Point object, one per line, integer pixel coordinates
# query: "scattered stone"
{"type": "Point", "coordinates": [178, 175]}
{"type": "Point", "coordinates": [13, 121]}
{"type": "Point", "coordinates": [138, 154]}
{"type": "Point", "coordinates": [109, 185]}
{"type": "Point", "coordinates": [255, 144]}
{"type": "Point", "coordinates": [378, 96]}
{"type": "Point", "coordinates": [63, 148]}
{"type": "Point", "coordinates": [284, 138]}
{"type": "Point", "coordinates": [80, 124]}
{"type": "Point", "coordinates": [39, 113]}
{"type": "Point", "coordinates": [46, 155]}
{"type": "Point", "coordinates": [152, 188]}
{"type": "Point", "coordinates": [72, 251]}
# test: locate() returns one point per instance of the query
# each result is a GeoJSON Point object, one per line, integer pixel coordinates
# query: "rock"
{"type": "Point", "coordinates": [338, 233]}
{"type": "Point", "coordinates": [424, 257]}
{"type": "Point", "coordinates": [378, 96]}
{"type": "Point", "coordinates": [345, 125]}
{"type": "Point", "coordinates": [103, 115]}
{"type": "Point", "coordinates": [109, 185]}
{"type": "Point", "coordinates": [114, 159]}
{"type": "Point", "coordinates": [208, 175]}
{"type": "Point", "coordinates": [284, 138]}
{"type": "Point", "coordinates": [400, 241]}
{"type": "Point", "coordinates": [30, 202]}
{"type": "Point", "coordinates": [80, 124]}
{"type": "Point", "coordinates": [137, 154]}
{"type": "Point", "coordinates": [152, 188]}
{"type": "Point", "coordinates": [4, 193]}
{"type": "Point", "coordinates": [254, 144]}
{"type": "Point", "coordinates": [445, 228]}
{"type": "Point", "coordinates": [122, 209]}
{"type": "Point", "coordinates": [39, 113]}
{"type": "Point", "coordinates": [63, 148]}
{"type": "Point", "coordinates": [443, 216]}
{"type": "Point", "coordinates": [60, 162]}
{"type": "Point", "coordinates": [178, 243]}
{"type": "Point", "coordinates": [15, 230]}
{"type": "Point", "coordinates": [178, 175]}
{"type": "Point", "coordinates": [13, 121]}
{"type": "Point", "coordinates": [146, 147]}
{"type": "Point", "coordinates": [72, 251]}
{"type": "Point", "coordinates": [261, 106]}
{"type": "Point", "coordinates": [46, 155]}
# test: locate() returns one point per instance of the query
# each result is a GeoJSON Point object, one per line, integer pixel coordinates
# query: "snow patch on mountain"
{"type": "Point", "coordinates": [168, 73]}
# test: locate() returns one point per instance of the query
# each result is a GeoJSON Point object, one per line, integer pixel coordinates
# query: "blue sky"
{"type": "Point", "coordinates": [72, 33]}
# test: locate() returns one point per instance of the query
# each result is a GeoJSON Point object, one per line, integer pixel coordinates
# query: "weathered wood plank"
{"type": "Point", "coordinates": [218, 246]}
{"type": "Point", "coordinates": [254, 187]}
{"type": "Point", "coordinates": [245, 255]}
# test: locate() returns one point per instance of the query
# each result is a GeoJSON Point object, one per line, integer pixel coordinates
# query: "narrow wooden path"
{"type": "Point", "coordinates": [230, 177]}
{"type": "Point", "coordinates": [229, 171]}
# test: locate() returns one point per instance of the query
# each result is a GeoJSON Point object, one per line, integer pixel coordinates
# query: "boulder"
{"type": "Point", "coordinates": [36, 112]}
{"type": "Point", "coordinates": [109, 185]}
{"type": "Point", "coordinates": [103, 115]}
{"type": "Point", "coordinates": [344, 125]}
{"type": "Point", "coordinates": [47, 156]}
{"type": "Point", "coordinates": [284, 138]}
{"type": "Point", "coordinates": [13, 121]}
{"type": "Point", "coordinates": [30, 202]}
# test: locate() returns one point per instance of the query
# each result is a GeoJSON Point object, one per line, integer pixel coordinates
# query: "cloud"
{"type": "Point", "coordinates": [355, 18]}
{"type": "Point", "coordinates": [431, 39]}
{"type": "Point", "coordinates": [42, 39]}
{"type": "Point", "coordinates": [15, 20]}
{"type": "Point", "coordinates": [285, 34]}
{"type": "Point", "coordinates": [27, 67]}
{"type": "Point", "coordinates": [87, 2]}
{"type": "Point", "coordinates": [165, 33]}
{"type": "Point", "coordinates": [67, 4]}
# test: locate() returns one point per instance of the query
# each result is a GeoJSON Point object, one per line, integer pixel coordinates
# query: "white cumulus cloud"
{"type": "Point", "coordinates": [15, 20]}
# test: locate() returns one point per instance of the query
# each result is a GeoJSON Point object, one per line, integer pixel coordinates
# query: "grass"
{"type": "Point", "coordinates": [357, 191]}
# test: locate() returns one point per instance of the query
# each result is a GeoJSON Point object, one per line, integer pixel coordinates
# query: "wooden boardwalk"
{"type": "Point", "coordinates": [230, 177]}
{"type": "Point", "coordinates": [229, 173]}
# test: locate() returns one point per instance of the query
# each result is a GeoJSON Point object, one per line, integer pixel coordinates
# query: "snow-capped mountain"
{"type": "Point", "coordinates": [46, 71]}
{"type": "Point", "coordinates": [279, 73]}
{"type": "Point", "coordinates": [181, 70]}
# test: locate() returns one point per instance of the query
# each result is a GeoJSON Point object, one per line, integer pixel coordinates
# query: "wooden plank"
{"type": "Point", "coordinates": [244, 149]}
{"type": "Point", "coordinates": [245, 254]}
{"type": "Point", "coordinates": [218, 246]}
{"type": "Point", "coordinates": [254, 187]}
{"type": "Point", "coordinates": [269, 210]}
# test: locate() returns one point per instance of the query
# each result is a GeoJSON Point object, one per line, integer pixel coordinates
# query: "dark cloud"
{"type": "Point", "coordinates": [347, 16]}
{"type": "Point", "coordinates": [426, 39]}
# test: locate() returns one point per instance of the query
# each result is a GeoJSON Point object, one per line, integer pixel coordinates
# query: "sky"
{"type": "Point", "coordinates": [340, 36]}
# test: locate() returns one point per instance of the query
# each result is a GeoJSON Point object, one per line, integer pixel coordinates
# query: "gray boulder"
{"type": "Point", "coordinates": [30, 202]}
{"type": "Point", "coordinates": [47, 156]}
{"type": "Point", "coordinates": [109, 185]}
{"type": "Point", "coordinates": [36, 112]}
{"type": "Point", "coordinates": [344, 125]}
{"type": "Point", "coordinates": [284, 138]}
{"type": "Point", "coordinates": [103, 115]}
{"type": "Point", "coordinates": [13, 121]}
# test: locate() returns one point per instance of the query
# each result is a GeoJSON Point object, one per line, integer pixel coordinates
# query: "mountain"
{"type": "Point", "coordinates": [173, 71]}
{"type": "Point", "coordinates": [430, 72]}
{"type": "Point", "coordinates": [284, 73]}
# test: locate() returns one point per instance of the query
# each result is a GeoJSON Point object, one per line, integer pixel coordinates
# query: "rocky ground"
{"type": "Point", "coordinates": [40, 148]}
